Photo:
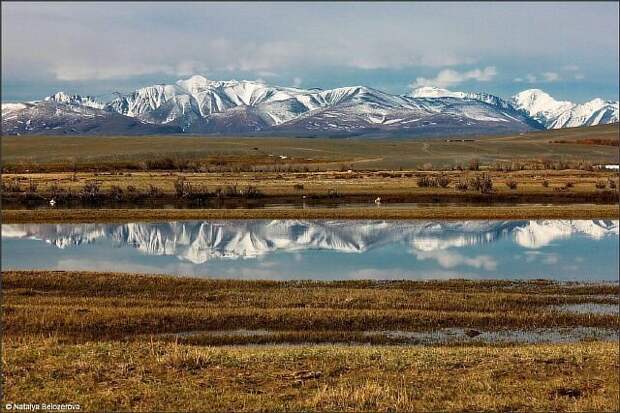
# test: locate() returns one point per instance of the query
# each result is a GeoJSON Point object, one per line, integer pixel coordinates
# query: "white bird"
{"type": "Point", "coordinates": [52, 202]}
{"type": "Point", "coordinates": [378, 200]}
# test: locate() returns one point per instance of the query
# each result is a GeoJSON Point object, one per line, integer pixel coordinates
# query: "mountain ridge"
{"type": "Point", "coordinates": [198, 105]}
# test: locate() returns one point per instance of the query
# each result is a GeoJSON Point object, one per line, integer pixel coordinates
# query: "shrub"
{"type": "Point", "coordinates": [252, 192]}
{"type": "Point", "coordinates": [612, 184]}
{"type": "Point", "coordinates": [569, 184]}
{"type": "Point", "coordinates": [299, 187]}
{"type": "Point", "coordinates": [116, 193]}
{"type": "Point", "coordinates": [600, 185]}
{"type": "Point", "coordinates": [181, 187]}
{"type": "Point", "coordinates": [54, 189]}
{"type": "Point", "coordinates": [511, 183]}
{"type": "Point", "coordinates": [165, 163]}
{"type": "Point", "coordinates": [332, 193]}
{"type": "Point", "coordinates": [231, 191]}
{"type": "Point", "coordinates": [131, 189]}
{"type": "Point", "coordinates": [11, 185]}
{"type": "Point", "coordinates": [32, 186]}
{"type": "Point", "coordinates": [482, 183]}
{"type": "Point", "coordinates": [474, 164]}
{"type": "Point", "coordinates": [461, 185]}
{"type": "Point", "coordinates": [424, 181]}
{"type": "Point", "coordinates": [545, 183]}
{"type": "Point", "coordinates": [154, 191]}
{"type": "Point", "coordinates": [443, 181]}
{"type": "Point", "coordinates": [90, 190]}
{"type": "Point", "coordinates": [486, 184]}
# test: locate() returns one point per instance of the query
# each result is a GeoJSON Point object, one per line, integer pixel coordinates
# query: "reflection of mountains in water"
{"type": "Point", "coordinates": [199, 241]}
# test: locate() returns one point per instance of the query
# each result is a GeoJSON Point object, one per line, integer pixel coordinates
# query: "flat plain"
{"type": "Point", "coordinates": [129, 342]}
{"type": "Point", "coordinates": [63, 152]}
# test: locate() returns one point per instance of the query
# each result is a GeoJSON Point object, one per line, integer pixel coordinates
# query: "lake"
{"type": "Point", "coordinates": [580, 250]}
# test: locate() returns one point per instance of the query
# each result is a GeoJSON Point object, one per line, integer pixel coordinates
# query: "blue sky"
{"type": "Point", "coordinates": [567, 49]}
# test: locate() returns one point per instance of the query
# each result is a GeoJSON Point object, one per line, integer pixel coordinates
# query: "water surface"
{"type": "Point", "coordinates": [584, 250]}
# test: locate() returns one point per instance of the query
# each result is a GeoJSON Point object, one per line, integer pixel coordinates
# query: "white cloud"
{"type": "Point", "coordinates": [448, 259]}
{"type": "Point", "coordinates": [297, 81]}
{"type": "Point", "coordinates": [579, 76]}
{"type": "Point", "coordinates": [71, 41]}
{"type": "Point", "coordinates": [449, 77]}
{"type": "Point", "coordinates": [530, 78]}
{"type": "Point", "coordinates": [70, 71]}
{"type": "Point", "coordinates": [546, 77]}
{"type": "Point", "coordinates": [570, 68]}
{"type": "Point", "coordinates": [551, 76]}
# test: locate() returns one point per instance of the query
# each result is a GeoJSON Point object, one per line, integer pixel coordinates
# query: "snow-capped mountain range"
{"type": "Point", "coordinates": [199, 242]}
{"type": "Point", "coordinates": [202, 106]}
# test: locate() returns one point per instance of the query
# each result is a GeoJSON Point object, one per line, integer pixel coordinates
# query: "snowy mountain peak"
{"type": "Point", "coordinates": [60, 97]}
{"type": "Point", "coordinates": [538, 101]}
{"type": "Point", "coordinates": [194, 84]}
{"type": "Point", "coordinates": [75, 100]}
{"type": "Point", "coordinates": [555, 114]}
{"type": "Point", "coordinates": [434, 92]}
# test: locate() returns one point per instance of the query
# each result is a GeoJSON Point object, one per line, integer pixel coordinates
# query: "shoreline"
{"type": "Point", "coordinates": [579, 211]}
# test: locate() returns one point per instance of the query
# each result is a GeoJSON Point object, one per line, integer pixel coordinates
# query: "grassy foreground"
{"type": "Point", "coordinates": [96, 339]}
{"type": "Point", "coordinates": [114, 376]}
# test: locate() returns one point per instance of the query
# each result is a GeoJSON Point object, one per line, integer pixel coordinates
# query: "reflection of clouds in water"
{"type": "Point", "coordinates": [542, 257]}
{"type": "Point", "coordinates": [551, 259]}
{"type": "Point", "coordinates": [451, 259]}
{"type": "Point", "coordinates": [76, 264]}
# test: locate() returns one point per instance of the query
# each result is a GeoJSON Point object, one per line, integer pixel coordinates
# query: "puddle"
{"type": "Point", "coordinates": [436, 337]}
{"type": "Point", "coordinates": [541, 335]}
{"type": "Point", "coordinates": [589, 308]}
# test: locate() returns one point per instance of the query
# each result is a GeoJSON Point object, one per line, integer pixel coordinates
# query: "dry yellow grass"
{"type": "Point", "coordinates": [120, 376]}
{"type": "Point", "coordinates": [385, 183]}
{"type": "Point", "coordinates": [94, 339]}
{"type": "Point", "coordinates": [86, 305]}
{"type": "Point", "coordinates": [358, 153]}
